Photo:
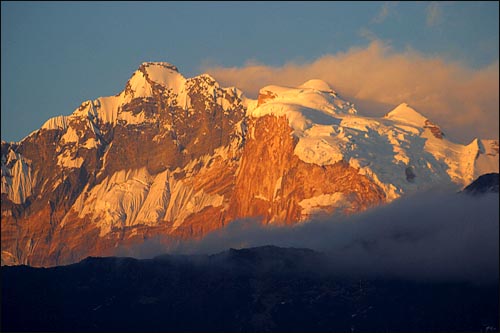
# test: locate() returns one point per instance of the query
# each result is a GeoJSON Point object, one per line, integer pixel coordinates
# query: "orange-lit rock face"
{"type": "Point", "coordinates": [261, 179]}
{"type": "Point", "coordinates": [272, 181]}
{"type": "Point", "coordinates": [435, 129]}
{"type": "Point", "coordinates": [265, 96]}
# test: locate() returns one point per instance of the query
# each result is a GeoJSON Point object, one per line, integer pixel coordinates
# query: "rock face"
{"type": "Point", "coordinates": [174, 158]}
{"type": "Point", "coordinates": [275, 184]}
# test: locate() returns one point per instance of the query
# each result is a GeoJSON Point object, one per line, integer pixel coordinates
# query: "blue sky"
{"type": "Point", "coordinates": [56, 55]}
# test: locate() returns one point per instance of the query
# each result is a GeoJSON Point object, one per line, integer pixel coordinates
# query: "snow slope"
{"type": "Point", "coordinates": [17, 180]}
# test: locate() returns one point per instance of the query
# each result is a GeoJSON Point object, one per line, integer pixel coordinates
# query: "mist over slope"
{"type": "Point", "coordinates": [432, 235]}
{"type": "Point", "coordinates": [427, 262]}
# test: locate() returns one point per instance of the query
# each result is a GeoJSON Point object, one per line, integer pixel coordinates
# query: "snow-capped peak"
{"type": "Point", "coordinates": [207, 77]}
{"type": "Point", "coordinates": [312, 95]}
{"type": "Point", "coordinates": [163, 64]}
{"type": "Point", "coordinates": [154, 75]}
{"type": "Point", "coordinates": [405, 113]}
{"type": "Point", "coordinates": [317, 85]}
{"type": "Point", "coordinates": [162, 73]}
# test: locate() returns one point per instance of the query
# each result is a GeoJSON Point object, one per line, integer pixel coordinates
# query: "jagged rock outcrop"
{"type": "Point", "coordinates": [175, 158]}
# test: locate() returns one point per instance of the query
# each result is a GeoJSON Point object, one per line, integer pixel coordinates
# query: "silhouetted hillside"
{"type": "Point", "coordinates": [264, 289]}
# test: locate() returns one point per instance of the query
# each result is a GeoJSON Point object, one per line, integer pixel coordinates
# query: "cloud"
{"type": "Point", "coordinates": [384, 12]}
{"type": "Point", "coordinates": [425, 236]}
{"type": "Point", "coordinates": [368, 34]}
{"type": "Point", "coordinates": [434, 14]}
{"type": "Point", "coordinates": [464, 101]}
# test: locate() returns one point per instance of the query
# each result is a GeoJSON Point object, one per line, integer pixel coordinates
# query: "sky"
{"type": "Point", "coordinates": [440, 57]}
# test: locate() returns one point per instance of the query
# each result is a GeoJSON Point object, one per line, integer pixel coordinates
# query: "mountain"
{"type": "Point", "coordinates": [175, 158]}
{"type": "Point", "coordinates": [264, 289]}
{"type": "Point", "coordinates": [487, 183]}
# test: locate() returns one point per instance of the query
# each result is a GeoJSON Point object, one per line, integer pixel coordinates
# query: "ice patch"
{"type": "Point", "coordinates": [58, 122]}
{"type": "Point", "coordinates": [322, 203]}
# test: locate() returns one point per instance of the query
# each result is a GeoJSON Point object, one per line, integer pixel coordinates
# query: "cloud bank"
{"type": "Point", "coordinates": [463, 100]}
{"type": "Point", "coordinates": [424, 236]}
